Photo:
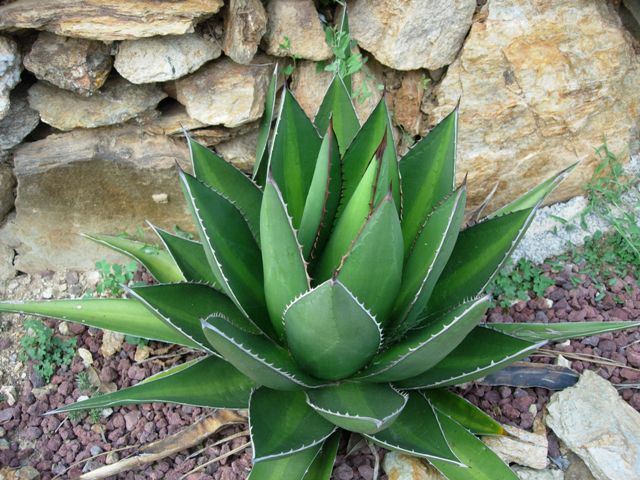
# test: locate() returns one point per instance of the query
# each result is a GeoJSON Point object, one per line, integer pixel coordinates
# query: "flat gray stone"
{"type": "Point", "coordinates": [596, 424]}
{"type": "Point", "coordinates": [159, 59]}
{"type": "Point", "coordinates": [19, 122]}
{"type": "Point", "coordinates": [116, 102]}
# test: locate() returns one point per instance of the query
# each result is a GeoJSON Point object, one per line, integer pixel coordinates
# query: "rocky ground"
{"type": "Point", "coordinates": [57, 445]}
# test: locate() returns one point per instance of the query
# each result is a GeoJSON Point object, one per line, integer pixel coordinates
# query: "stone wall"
{"type": "Point", "coordinates": [94, 96]}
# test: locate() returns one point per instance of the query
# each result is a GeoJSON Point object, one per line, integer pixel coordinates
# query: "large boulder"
{"type": "Point", "coordinates": [245, 22]}
{"type": "Point", "coordinates": [411, 34]}
{"type": "Point", "coordinates": [91, 181]}
{"type": "Point", "coordinates": [294, 30]}
{"type": "Point", "coordinates": [75, 64]}
{"type": "Point", "coordinates": [107, 19]}
{"type": "Point", "coordinates": [117, 101]}
{"type": "Point", "coordinates": [540, 85]}
{"type": "Point", "coordinates": [10, 69]}
{"type": "Point", "coordinates": [159, 59]}
{"type": "Point", "coordinates": [226, 93]}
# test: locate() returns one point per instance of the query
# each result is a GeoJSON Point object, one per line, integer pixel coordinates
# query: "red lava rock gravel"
{"type": "Point", "coordinates": [53, 443]}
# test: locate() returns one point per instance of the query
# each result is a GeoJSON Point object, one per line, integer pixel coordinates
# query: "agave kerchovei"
{"type": "Point", "coordinates": [336, 289]}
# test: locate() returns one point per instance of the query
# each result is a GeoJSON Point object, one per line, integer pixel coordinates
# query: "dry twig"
{"type": "Point", "coordinates": [160, 449]}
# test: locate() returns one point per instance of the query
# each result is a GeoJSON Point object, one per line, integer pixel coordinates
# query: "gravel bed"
{"type": "Point", "coordinates": [53, 443]}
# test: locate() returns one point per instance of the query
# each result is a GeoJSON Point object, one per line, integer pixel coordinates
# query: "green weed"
{"type": "Point", "coordinates": [45, 349]}
{"type": "Point", "coordinates": [113, 276]}
{"type": "Point", "coordinates": [509, 286]}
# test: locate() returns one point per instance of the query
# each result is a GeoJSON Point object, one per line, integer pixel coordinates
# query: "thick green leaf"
{"type": "Point", "coordinates": [362, 149]}
{"type": "Point", "coordinates": [291, 467]}
{"type": "Point", "coordinates": [483, 351]}
{"type": "Point", "coordinates": [285, 271]}
{"type": "Point", "coordinates": [557, 332]}
{"type": "Point", "coordinates": [257, 356]}
{"type": "Point", "coordinates": [208, 382]}
{"type": "Point", "coordinates": [355, 214]}
{"type": "Point", "coordinates": [230, 182]}
{"type": "Point", "coordinates": [463, 412]}
{"type": "Point", "coordinates": [330, 333]}
{"type": "Point", "coordinates": [322, 199]}
{"type": "Point", "coordinates": [336, 107]}
{"type": "Point", "coordinates": [282, 423]}
{"type": "Point", "coordinates": [322, 466]}
{"type": "Point", "coordinates": [158, 262]}
{"type": "Point", "coordinates": [428, 175]}
{"type": "Point", "coordinates": [417, 432]}
{"type": "Point", "coordinates": [374, 282]}
{"type": "Point", "coordinates": [477, 256]}
{"type": "Point", "coordinates": [232, 252]}
{"type": "Point", "coordinates": [190, 257]}
{"type": "Point", "coordinates": [427, 259]}
{"type": "Point", "coordinates": [536, 195]}
{"type": "Point", "coordinates": [294, 150]}
{"type": "Point", "coordinates": [260, 166]}
{"type": "Point", "coordinates": [481, 462]}
{"type": "Point", "coordinates": [184, 305]}
{"type": "Point", "coordinates": [117, 314]}
{"type": "Point", "coordinates": [422, 349]}
{"type": "Point", "coordinates": [358, 407]}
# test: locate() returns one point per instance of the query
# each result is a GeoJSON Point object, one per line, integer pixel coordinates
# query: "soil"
{"type": "Point", "coordinates": [55, 445]}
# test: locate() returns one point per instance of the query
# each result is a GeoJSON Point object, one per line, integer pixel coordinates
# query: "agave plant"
{"type": "Point", "coordinates": [337, 289]}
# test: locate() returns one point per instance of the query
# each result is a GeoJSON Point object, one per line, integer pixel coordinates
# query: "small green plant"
{"type": "Point", "coordinates": [113, 276]}
{"type": "Point", "coordinates": [513, 284]}
{"type": "Point", "coordinates": [46, 350]}
{"type": "Point", "coordinates": [83, 383]}
{"type": "Point", "coordinates": [95, 415]}
{"type": "Point", "coordinates": [605, 191]}
{"type": "Point", "coordinates": [345, 62]}
{"type": "Point", "coordinates": [285, 46]}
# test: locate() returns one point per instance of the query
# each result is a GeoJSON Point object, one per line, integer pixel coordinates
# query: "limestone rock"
{"type": "Point", "coordinates": [399, 466]}
{"type": "Point", "coordinates": [7, 183]}
{"type": "Point", "coordinates": [407, 101]}
{"type": "Point", "coordinates": [524, 448]}
{"type": "Point", "coordinates": [18, 123]}
{"type": "Point", "coordinates": [595, 423]}
{"type": "Point", "coordinates": [531, 474]}
{"type": "Point", "coordinates": [159, 59]}
{"type": "Point", "coordinates": [107, 19]}
{"type": "Point", "coordinates": [93, 181]}
{"type": "Point", "coordinates": [411, 34]}
{"type": "Point", "coordinates": [240, 150]}
{"type": "Point", "coordinates": [10, 69]}
{"type": "Point", "coordinates": [225, 93]}
{"type": "Point", "coordinates": [111, 343]}
{"type": "Point", "coordinates": [245, 22]}
{"type": "Point", "coordinates": [116, 102]}
{"type": "Point", "coordinates": [535, 98]}
{"type": "Point", "coordinates": [309, 86]}
{"type": "Point", "coordinates": [297, 21]}
{"type": "Point", "coordinates": [75, 64]}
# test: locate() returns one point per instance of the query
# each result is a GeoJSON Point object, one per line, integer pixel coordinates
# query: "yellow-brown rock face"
{"type": "Point", "coordinates": [541, 85]}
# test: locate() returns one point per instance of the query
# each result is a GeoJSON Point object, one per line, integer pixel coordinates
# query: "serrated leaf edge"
{"type": "Point", "coordinates": [492, 364]}
{"type": "Point", "coordinates": [166, 319]}
{"type": "Point", "coordinates": [421, 345]}
{"type": "Point", "coordinates": [377, 422]}
{"type": "Point", "coordinates": [255, 459]}
{"type": "Point", "coordinates": [288, 375]}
